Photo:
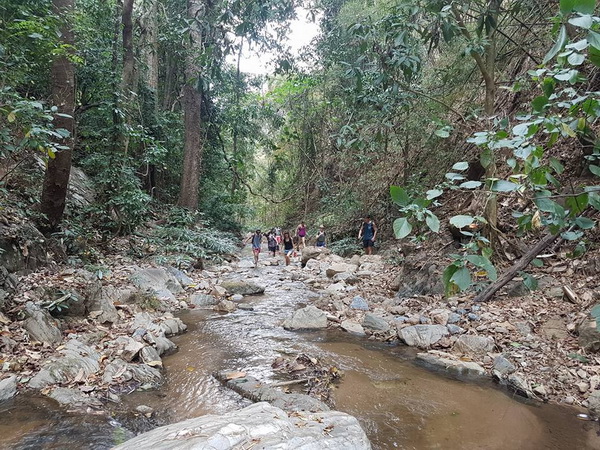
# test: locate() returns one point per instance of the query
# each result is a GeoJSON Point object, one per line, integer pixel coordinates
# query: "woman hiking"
{"type": "Point", "coordinates": [301, 233]}
{"type": "Point", "coordinates": [288, 247]}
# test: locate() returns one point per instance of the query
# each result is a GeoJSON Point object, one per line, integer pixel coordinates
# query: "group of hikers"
{"type": "Point", "coordinates": [275, 239]}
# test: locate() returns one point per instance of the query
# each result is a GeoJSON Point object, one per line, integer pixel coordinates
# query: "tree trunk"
{"type": "Point", "coordinates": [192, 102]}
{"type": "Point", "coordinates": [56, 180]}
{"type": "Point", "coordinates": [128, 66]}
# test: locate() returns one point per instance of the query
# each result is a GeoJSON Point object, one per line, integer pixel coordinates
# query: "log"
{"type": "Point", "coordinates": [520, 265]}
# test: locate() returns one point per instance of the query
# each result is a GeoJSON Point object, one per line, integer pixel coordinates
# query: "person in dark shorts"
{"type": "Point", "coordinates": [368, 233]}
{"type": "Point", "coordinates": [288, 247]}
{"type": "Point", "coordinates": [321, 237]}
{"type": "Point", "coordinates": [272, 242]}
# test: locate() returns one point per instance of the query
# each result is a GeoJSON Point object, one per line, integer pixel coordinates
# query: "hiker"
{"type": "Point", "coordinates": [321, 237]}
{"type": "Point", "coordinates": [288, 247]}
{"type": "Point", "coordinates": [256, 240]}
{"type": "Point", "coordinates": [272, 242]}
{"type": "Point", "coordinates": [368, 232]}
{"type": "Point", "coordinates": [301, 233]}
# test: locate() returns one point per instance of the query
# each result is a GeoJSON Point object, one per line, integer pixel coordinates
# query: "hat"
{"type": "Point", "coordinates": [321, 226]}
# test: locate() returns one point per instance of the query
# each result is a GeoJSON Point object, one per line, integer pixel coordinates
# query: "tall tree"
{"type": "Point", "coordinates": [192, 102]}
{"type": "Point", "coordinates": [56, 180]}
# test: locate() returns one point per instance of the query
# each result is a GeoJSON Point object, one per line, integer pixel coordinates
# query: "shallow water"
{"type": "Point", "coordinates": [399, 404]}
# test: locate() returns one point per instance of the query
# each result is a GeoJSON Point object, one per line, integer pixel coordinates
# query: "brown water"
{"type": "Point", "coordinates": [399, 404]}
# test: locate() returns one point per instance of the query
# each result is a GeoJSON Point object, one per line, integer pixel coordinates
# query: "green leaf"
{"type": "Point", "coordinates": [556, 165]}
{"type": "Point", "coordinates": [595, 311]}
{"type": "Point", "coordinates": [594, 169]}
{"type": "Point", "coordinates": [433, 222]}
{"type": "Point", "coordinates": [577, 204]}
{"type": "Point", "coordinates": [571, 235]}
{"type": "Point", "coordinates": [594, 55]}
{"type": "Point", "coordinates": [538, 103]}
{"type": "Point", "coordinates": [399, 195]}
{"type": "Point", "coordinates": [529, 282]}
{"type": "Point", "coordinates": [442, 133]}
{"type": "Point", "coordinates": [576, 59]}
{"type": "Point", "coordinates": [478, 260]}
{"type": "Point", "coordinates": [537, 263]}
{"type": "Point", "coordinates": [461, 221]}
{"type": "Point", "coordinates": [486, 158]}
{"type": "Point", "coordinates": [449, 272]}
{"type": "Point", "coordinates": [566, 6]}
{"type": "Point", "coordinates": [462, 278]}
{"type": "Point", "coordinates": [460, 166]}
{"type": "Point", "coordinates": [584, 21]}
{"type": "Point", "coordinates": [584, 223]}
{"type": "Point", "coordinates": [594, 39]}
{"type": "Point", "coordinates": [584, 6]}
{"type": "Point", "coordinates": [470, 184]}
{"type": "Point", "coordinates": [504, 186]}
{"type": "Point", "coordinates": [578, 357]}
{"type": "Point", "coordinates": [402, 227]}
{"type": "Point", "coordinates": [454, 176]}
{"type": "Point", "coordinates": [434, 193]}
{"type": "Point", "coordinates": [558, 45]}
{"type": "Point", "coordinates": [594, 200]}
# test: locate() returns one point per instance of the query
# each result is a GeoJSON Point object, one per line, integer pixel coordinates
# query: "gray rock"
{"type": "Point", "coordinates": [164, 345]}
{"type": "Point", "coordinates": [180, 276]}
{"type": "Point", "coordinates": [338, 268]}
{"type": "Point", "coordinates": [594, 404]}
{"type": "Point", "coordinates": [144, 409]}
{"type": "Point", "coordinates": [346, 277]}
{"type": "Point", "coordinates": [440, 316]}
{"type": "Point", "coordinates": [589, 336]}
{"type": "Point", "coordinates": [523, 328]}
{"type": "Point", "coordinates": [472, 316]}
{"type": "Point", "coordinates": [455, 329]}
{"type": "Point", "coordinates": [503, 365]}
{"type": "Point", "coordinates": [518, 384]}
{"type": "Point", "coordinates": [128, 347]}
{"type": "Point", "coordinates": [76, 358]}
{"type": "Point", "coordinates": [158, 325]}
{"type": "Point", "coordinates": [453, 318]}
{"type": "Point", "coordinates": [237, 297]}
{"type": "Point", "coordinates": [451, 363]}
{"type": "Point", "coordinates": [375, 323]}
{"type": "Point", "coordinates": [148, 377]}
{"type": "Point", "coordinates": [8, 388]}
{"type": "Point", "coordinates": [352, 327]}
{"type": "Point", "coordinates": [203, 301]}
{"type": "Point", "coordinates": [359, 303]}
{"type": "Point", "coordinates": [422, 336]}
{"type": "Point", "coordinates": [40, 325]}
{"type": "Point", "coordinates": [149, 355]}
{"type": "Point", "coordinates": [100, 303]}
{"type": "Point", "coordinates": [158, 281]}
{"type": "Point", "coordinates": [474, 345]}
{"type": "Point", "coordinates": [242, 287]}
{"type": "Point", "coordinates": [307, 318]}
{"type": "Point", "coordinates": [272, 427]}
{"type": "Point", "coordinates": [245, 307]}
{"type": "Point", "coordinates": [74, 398]}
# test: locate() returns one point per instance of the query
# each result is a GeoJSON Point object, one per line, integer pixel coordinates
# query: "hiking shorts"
{"type": "Point", "coordinates": [368, 243]}
{"type": "Point", "coordinates": [320, 244]}
{"type": "Point", "coordinates": [256, 250]}
{"type": "Point", "coordinates": [273, 249]}
{"type": "Point", "coordinates": [289, 251]}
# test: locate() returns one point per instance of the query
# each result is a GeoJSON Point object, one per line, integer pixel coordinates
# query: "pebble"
{"type": "Point", "coordinates": [472, 316]}
{"type": "Point", "coordinates": [583, 386]}
{"type": "Point", "coordinates": [237, 297]}
{"type": "Point", "coordinates": [569, 400]}
{"type": "Point", "coordinates": [454, 329]}
{"type": "Point", "coordinates": [453, 318]}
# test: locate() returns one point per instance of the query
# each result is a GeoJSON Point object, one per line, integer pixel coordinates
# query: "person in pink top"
{"type": "Point", "coordinates": [301, 233]}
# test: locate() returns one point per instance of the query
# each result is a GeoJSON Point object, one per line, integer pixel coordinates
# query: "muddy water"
{"type": "Point", "coordinates": [399, 404]}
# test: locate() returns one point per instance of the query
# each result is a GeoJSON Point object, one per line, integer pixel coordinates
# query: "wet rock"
{"type": "Point", "coordinates": [203, 301]}
{"type": "Point", "coordinates": [450, 363]}
{"type": "Point", "coordinates": [518, 384]}
{"type": "Point", "coordinates": [242, 287]}
{"type": "Point", "coordinates": [164, 345]}
{"type": "Point", "coordinates": [359, 303]}
{"type": "Point", "coordinates": [594, 404]}
{"type": "Point", "coordinates": [237, 298]}
{"type": "Point", "coordinates": [352, 326]}
{"type": "Point", "coordinates": [503, 365]}
{"type": "Point", "coordinates": [157, 281]}
{"type": "Point", "coordinates": [149, 355]}
{"type": "Point", "coordinates": [306, 318]}
{"type": "Point", "coordinates": [309, 253]}
{"type": "Point", "coordinates": [474, 345]}
{"type": "Point", "coordinates": [225, 306]}
{"type": "Point", "coordinates": [422, 336]}
{"type": "Point", "coordinates": [263, 423]}
{"type": "Point", "coordinates": [40, 325]}
{"type": "Point", "coordinates": [375, 323]}
{"type": "Point", "coordinates": [8, 387]}
{"type": "Point", "coordinates": [74, 398]}
{"type": "Point", "coordinates": [77, 359]}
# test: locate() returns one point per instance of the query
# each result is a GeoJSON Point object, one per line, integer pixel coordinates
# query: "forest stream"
{"type": "Point", "coordinates": [398, 403]}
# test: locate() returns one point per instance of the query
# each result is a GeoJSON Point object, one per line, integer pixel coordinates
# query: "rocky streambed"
{"type": "Point", "coordinates": [243, 319]}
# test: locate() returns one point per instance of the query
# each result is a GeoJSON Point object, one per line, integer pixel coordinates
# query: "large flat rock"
{"type": "Point", "coordinates": [259, 426]}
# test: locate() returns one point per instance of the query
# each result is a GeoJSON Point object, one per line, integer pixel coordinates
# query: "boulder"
{"type": "Point", "coordinates": [40, 325]}
{"type": "Point", "coordinates": [128, 347]}
{"type": "Point", "coordinates": [359, 303]}
{"type": "Point", "coordinates": [149, 355]}
{"type": "Point", "coordinates": [180, 276]}
{"type": "Point", "coordinates": [353, 327]}
{"type": "Point", "coordinates": [474, 345]}
{"type": "Point", "coordinates": [313, 265]}
{"type": "Point", "coordinates": [450, 363]}
{"type": "Point", "coordinates": [165, 325]}
{"type": "Point", "coordinates": [74, 398]}
{"type": "Point", "coordinates": [242, 287]}
{"type": "Point", "coordinates": [336, 268]}
{"type": "Point", "coordinates": [503, 366]}
{"type": "Point", "coordinates": [375, 323]}
{"type": "Point", "coordinates": [157, 281]}
{"type": "Point", "coordinates": [225, 306]}
{"type": "Point", "coordinates": [594, 404]}
{"type": "Point", "coordinates": [307, 318]}
{"type": "Point", "coordinates": [203, 301]}
{"type": "Point", "coordinates": [260, 423]}
{"type": "Point", "coordinates": [100, 303]}
{"type": "Point", "coordinates": [309, 253]}
{"type": "Point", "coordinates": [589, 335]}
{"type": "Point", "coordinates": [77, 360]}
{"type": "Point", "coordinates": [164, 345]}
{"type": "Point", "coordinates": [422, 336]}
{"type": "Point", "coordinates": [8, 388]}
